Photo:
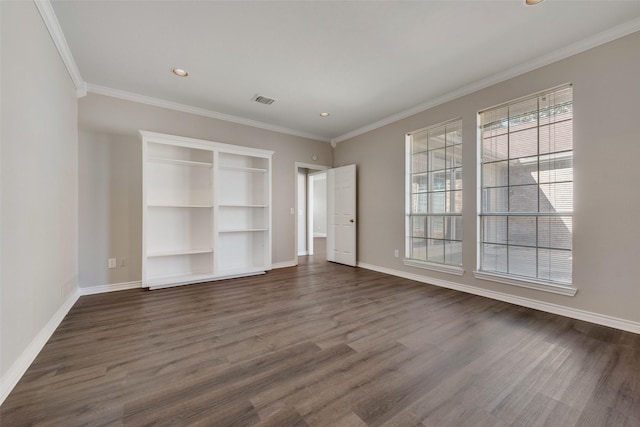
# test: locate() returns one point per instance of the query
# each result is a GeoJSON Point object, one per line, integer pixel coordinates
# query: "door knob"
{"type": "Point", "coordinates": [352, 220]}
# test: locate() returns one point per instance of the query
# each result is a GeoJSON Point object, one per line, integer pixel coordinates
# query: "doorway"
{"type": "Point", "coordinates": [311, 209]}
{"type": "Point", "coordinates": [317, 212]}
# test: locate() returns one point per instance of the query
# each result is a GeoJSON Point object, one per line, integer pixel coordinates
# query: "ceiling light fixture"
{"type": "Point", "coordinates": [180, 72]}
{"type": "Point", "coordinates": [324, 114]}
{"type": "Point", "coordinates": [532, 2]}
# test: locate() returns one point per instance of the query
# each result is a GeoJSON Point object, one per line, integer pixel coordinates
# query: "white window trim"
{"type": "Point", "coordinates": [442, 268]}
{"type": "Point", "coordinates": [509, 279]}
{"type": "Point", "coordinates": [568, 290]}
{"type": "Point", "coordinates": [427, 265]}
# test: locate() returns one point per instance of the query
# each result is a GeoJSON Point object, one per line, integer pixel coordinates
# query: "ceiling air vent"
{"type": "Point", "coordinates": [264, 100]}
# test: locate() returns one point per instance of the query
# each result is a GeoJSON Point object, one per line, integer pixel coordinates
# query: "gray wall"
{"type": "Point", "coordinates": [39, 181]}
{"type": "Point", "coordinates": [606, 201]}
{"type": "Point", "coordinates": [110, 216]}
{"type": "Point", "coordinates": [110, 179]}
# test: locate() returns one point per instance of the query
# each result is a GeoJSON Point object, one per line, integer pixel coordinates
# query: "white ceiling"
{"type": "Point", "coordinates": [364, 62]}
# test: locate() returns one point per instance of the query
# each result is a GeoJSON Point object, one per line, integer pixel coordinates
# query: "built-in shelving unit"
{"type": "Point", "coordinates": [206, 210]}
{"type": "Point", "coordinates": [243, 212]}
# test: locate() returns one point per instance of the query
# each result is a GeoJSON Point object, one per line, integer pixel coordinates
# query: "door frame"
{"type": "Point", "coordinates": [312, 167]}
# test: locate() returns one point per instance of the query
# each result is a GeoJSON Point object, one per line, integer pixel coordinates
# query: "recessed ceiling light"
{"type": "Point", "coordinates": [180, 72]}
{"type": "Point", "coordinates": [324, 114]}
{"type": "Point", "coordinates": [532, 2]}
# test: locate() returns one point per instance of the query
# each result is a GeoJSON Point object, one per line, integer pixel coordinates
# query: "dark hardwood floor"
{"type": "Point", "coordinates": [325, 345]}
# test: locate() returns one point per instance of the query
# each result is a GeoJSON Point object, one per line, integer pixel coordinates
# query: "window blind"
{"type": "Point", "coordinates": [526, 209]}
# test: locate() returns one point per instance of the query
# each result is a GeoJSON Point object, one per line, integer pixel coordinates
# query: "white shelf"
{"type": "Point", "coordinates": [238, 205]}
{"type": "Point", "coordinates": [179, 252]}
{"type": "Point", "coordinates": [172, 205]}
{"type": "Point", "coordinates": [177, 279]}
{"type": "Point", "coordinates": [180, 162]}
{"type": "Point", "coordinates": [242, 168]}
{"type": "Point", "coordinates": [248, 270]}
{"type": "Point", "coordinates": [242, 230]}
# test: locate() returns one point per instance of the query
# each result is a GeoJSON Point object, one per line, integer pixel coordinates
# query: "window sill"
{"type": "Point", "coordinates": [442, 268]}
{"type": "Point", "coordinates": [530, 284]}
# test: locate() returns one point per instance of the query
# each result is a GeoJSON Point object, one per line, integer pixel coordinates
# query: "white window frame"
{"type": "Point", "coordinates": [564, 288]}
{"type": "Point", "coordinates": [408, 260]}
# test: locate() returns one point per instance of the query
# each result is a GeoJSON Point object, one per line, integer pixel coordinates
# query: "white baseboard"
{"type": "Point", "coordinates": [319, 234]}
{"type": "Point", "coordinates": [574, 313]}
{"type": "Point", "coordinates": [285, 264]}
{"type": "Point", "coordinates": [91, 290]}
{"type": "Point", "coordinates": [303, 253]}
{"type": "Point", "coordinates": [9, 380]}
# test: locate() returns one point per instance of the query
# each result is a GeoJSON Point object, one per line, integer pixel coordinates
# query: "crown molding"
{"type": "Point", "coordinates": [557, 55]}
{"type": "Point", "coordinates": [82, 88]}
{"type": "Point", "coordinates": [53, 26]}
{"type": "Point", "coordinates": [157, 102]}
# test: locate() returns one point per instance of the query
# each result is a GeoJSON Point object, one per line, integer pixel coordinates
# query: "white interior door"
{"type": "Point", "coordinates": [341, 215]}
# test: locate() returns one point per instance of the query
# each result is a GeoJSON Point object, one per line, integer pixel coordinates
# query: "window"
{"type": "Point", "coordinates": [526, 209]}
{"type": "Point", "coordinates": [434, 196]}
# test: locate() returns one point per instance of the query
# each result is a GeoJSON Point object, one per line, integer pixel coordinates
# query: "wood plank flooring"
{"type": "Point", "coordinates": [324, 345]}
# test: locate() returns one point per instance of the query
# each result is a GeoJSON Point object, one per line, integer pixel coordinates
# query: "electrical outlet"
{"type": "Point", "coordinates": [112, 263]}
{"type": "Point", "coordinates": [123, 262]}
{"type": "Point", "coordinates": [396, 253]}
